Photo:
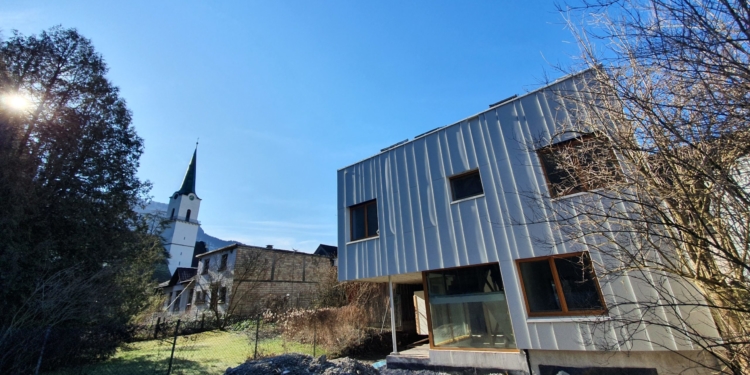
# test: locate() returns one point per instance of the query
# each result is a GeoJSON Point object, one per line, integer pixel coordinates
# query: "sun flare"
{"type": "Point", "coordinates": [16, 102]}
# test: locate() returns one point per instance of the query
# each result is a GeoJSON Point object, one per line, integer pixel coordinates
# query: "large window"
{"type": "Point", "coordinates": [223, 263]}
{"type": "Point", "coordinates": [578, 165]}
{"type": "Point", "coordinates": [467, 308]}
{"type": "Point", "coordinates": [466, 185]}
{"type": "Point", "coordinates": [364, 220]}
{"type": "Point", "coordinates": [560, 285]}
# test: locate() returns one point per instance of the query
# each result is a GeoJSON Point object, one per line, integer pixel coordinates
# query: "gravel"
{"type": "Point", "coordinates": [299, 364]}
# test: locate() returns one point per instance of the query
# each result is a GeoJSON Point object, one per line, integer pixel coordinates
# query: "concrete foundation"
{"type": "Point", "coordinates": [664, 362]}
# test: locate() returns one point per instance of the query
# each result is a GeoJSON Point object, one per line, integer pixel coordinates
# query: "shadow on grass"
{"type": "Point", "coordinates": [139, 365]}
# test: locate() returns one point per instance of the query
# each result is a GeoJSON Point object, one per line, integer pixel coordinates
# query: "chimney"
{"type": "Point", "coordinates": [269, 246]}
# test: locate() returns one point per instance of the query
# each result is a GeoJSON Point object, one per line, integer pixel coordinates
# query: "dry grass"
{"type": "Point", "coordinates": [334, 328]}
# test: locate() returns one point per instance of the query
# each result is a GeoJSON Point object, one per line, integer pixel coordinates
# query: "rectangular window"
{"type": "Point", "coordinates": [214, 297]}
{"type": "Point", "coordinates": [468, 309]}
{"type": "Point", "coordinates": [466, 185]}
{"type": "Point", "coordinates": [206, 263]}
{"type": "Point", "coordinates": [223, 294]}
{"type": "Point", "coordinates": [578, 165]}
{"type": "Point", "coordinates": [189, 299]}
{"type": "Point", "coordinates": [364, 220]}
{"type": "Point", "coordinates": [200, 297]}
{"type": "Point", "coordinates": [560, 285]}
{"type": "Point", "coordinates": [176, 306]}
{"type": "Point", "coordinates": [223, 263]}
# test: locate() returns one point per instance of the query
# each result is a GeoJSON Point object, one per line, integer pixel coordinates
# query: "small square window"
{"type": "Point", "coordinates": [364, 220]}
{"type": "Point", "coordinates": [466, 185]}
{"type": "Point", "coordinates": [578, 165]}
{"type": "Point", "coordinates": [223, 263]}
{"type": "Point", "coordinates": [560, 285]}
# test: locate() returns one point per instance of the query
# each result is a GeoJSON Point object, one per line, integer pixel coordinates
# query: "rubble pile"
{"type": "Point", "coordinates": [299, 364]}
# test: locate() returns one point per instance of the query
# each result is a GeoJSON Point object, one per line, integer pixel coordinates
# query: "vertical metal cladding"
{"type": "Point", "coordinates": [421, 229]}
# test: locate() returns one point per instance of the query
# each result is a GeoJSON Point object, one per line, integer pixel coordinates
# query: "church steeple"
{"type": "Point", "coordinates": [188, 183]}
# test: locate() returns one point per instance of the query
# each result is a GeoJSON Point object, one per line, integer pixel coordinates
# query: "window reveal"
{"type": "Point", "coordinates": [364, 220]}
{"type": "Point", "coordinates": [578, 165]}
{"type": "Point", "coordinates": [466, 185]}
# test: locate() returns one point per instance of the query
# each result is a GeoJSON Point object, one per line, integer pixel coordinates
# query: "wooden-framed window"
{"type": "Point", "coordinates": [560, 285]}
{"type": "Point", "coordinates": [200, 297]}
{"type": "Point", "coordinates": [223, 263]}
{"type": "Point", "coordinates": [206, 263]}
{"type": "Point", "coordinates": [578, 165]}
{"type": "Point", "coordinates": [363, 220]}
{"type": "Point", "coordinates": [466, 185]}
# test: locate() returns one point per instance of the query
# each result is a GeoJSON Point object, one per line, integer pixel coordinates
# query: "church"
{"type": "Point", "coordinates": [234, 279]}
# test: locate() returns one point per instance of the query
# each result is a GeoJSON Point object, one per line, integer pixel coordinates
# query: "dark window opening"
{"type": "Point", "coordinates": [364, 220]}
{"type": "Point", "coordinates": [187, 216]}
{"type": "Point", "coordinates": [206, 263]}
{"type": "Point", "coordinates": [172, 215]}
{"type": "Point", "coordinates": [578, 165]}
{"type": "Point", "coordinates": [223, 263]}
{"type": "Point", "coordinates": [223, 294]}
{"type": "Point", "coordinates": [560, 285]}
{"type": "Point", "coordinates": [466, 185]}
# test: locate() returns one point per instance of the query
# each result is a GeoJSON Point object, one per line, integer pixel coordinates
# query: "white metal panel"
{"type": "Point", "coordinates": [421, 229]}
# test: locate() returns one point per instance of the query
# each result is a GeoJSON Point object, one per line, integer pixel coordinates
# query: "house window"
{"type": "Point", "coordinates": [560, 285]}
{"type": "Point", "coordinates": [176, 306]}
{"type": "Point", "coordinates": [223, 263]}
{"type": "Point", "coordinates": [206, 263]}
{"type": "Point", "coordinates": [364, 220]}
{"type": "Point", "coordinates": [187, 216]}
{"type": "Point", "coordinates": [578, 165]}
{"type": "Point", "coordinates": [214, 297]}
{"type": "Point", "coordinates": [189, 299]}
{"type": "Point", "coordinates": [468, 309]}
{"type": "Point", "coordinates": [223, 294]}
{"type": "Point", "coordinates": [466, 185]}
{"type": "Point", "coordinates": [169, 299]}
{"type": "Point", "coordinates": [200, 297]}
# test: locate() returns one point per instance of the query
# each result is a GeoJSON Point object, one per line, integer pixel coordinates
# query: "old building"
{"type": "Point", "coordinates": [240, 280]}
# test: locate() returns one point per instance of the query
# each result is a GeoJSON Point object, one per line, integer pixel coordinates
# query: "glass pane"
{"type": "Point", "coordinates": [539, 286]}
{"type": "Point", "coordinates": [466, 186]}
{"type": "Point", "coordinates": [578, 285]}
{"type": "Point", "coordinates": [372, 219]}
{"type": "Point", "coordinates": [358, 222]}
{"type": "Point", "coordinates": [561, 182]}
{"type": "Point", "coordinates": [468, 309]}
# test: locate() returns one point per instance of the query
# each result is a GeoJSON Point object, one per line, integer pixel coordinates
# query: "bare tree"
{"type": "Point", "coordinates": [660, 129]}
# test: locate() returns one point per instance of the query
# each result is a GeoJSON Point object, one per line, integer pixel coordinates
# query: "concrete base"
{"type": "Point", "coordinates": [459, 361]}
{"type": "Point", "coordinates": [664, 362]}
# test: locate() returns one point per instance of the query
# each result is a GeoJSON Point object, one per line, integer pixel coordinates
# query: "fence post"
{"type": "Point", "coordinates": [257, 326]}
{"type": "Point", "coordinates": [315, 330]}
{"type": "Point", "coordinates": [156, 329]}
{"type": "Point", "coordinates": [174, 343]}
{"type": "Point", "coordinates": [41, 354]}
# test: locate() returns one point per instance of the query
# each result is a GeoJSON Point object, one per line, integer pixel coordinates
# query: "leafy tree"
{"type": "Point", "coordinates": [73, 250]}
{"type": "Point", "coordinates": [667, 90]}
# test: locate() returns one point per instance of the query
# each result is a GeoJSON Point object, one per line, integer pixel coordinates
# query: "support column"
{"type": "Point", "coordinates": [393, 317]}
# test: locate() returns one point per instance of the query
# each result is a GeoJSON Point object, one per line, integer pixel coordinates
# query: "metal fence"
{"type": "Point", "coordinates": [170, 347]}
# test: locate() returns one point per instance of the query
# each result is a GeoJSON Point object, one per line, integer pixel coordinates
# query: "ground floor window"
{"type": "Point", "coordinates": [468, 308]}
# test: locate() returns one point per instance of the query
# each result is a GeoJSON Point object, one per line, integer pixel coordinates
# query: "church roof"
{"type": "Point", "coordinates": [188, 183]}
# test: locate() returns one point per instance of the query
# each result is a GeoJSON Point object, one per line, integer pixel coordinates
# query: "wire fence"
{"type": "Point", "coordinates": [170, 347]}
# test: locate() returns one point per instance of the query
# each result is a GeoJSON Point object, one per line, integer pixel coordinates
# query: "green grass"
{"type": "Point", "coordinates": [201, 353]}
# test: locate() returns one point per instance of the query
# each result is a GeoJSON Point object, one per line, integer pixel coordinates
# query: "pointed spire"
{"type": "Point", "coordinates": [188, 184]}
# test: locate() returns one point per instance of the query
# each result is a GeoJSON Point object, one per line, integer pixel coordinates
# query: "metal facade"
{"type": "Point", "coordinates": [421, 229]}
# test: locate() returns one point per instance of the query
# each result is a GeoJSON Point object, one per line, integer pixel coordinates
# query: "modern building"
{"type": "Point", "coordinates": [448, 213]}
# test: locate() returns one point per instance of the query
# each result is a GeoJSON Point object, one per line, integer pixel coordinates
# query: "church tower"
{"type": "Point", "coordinates": [180, 234]}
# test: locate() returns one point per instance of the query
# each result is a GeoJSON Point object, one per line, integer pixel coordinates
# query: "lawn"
{"type": "Point", "coordinates": [201, 353]}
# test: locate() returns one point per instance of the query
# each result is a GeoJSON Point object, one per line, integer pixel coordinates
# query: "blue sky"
{"type": "Point", "coordinates": [284, 93]}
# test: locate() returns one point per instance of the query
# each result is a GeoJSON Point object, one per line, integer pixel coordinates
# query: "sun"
{"type": "Point", "coordinates": [16, 102]}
